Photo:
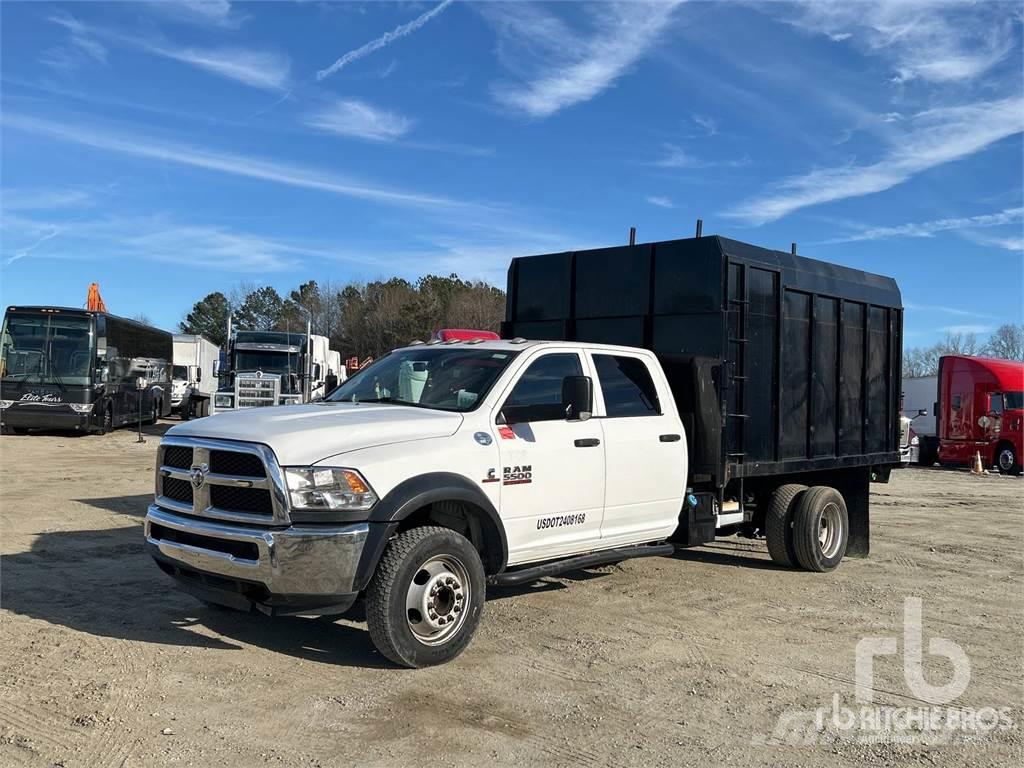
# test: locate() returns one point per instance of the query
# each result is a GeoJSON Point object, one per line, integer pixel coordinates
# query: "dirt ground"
{"type": "Point", "coordinates": [690, 660]}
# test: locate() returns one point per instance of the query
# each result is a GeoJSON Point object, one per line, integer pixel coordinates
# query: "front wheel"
{"type": "Point", "coordinates": [1007, 460]}
{"type": "Point", "coordinates": [426, 597]}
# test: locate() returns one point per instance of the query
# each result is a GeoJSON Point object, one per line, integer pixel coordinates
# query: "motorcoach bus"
{"type": "Point", "coordinates": [79, 370]}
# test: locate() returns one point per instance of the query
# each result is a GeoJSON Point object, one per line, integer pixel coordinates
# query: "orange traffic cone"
{"type": "Point", "coordinates": [977, 469]}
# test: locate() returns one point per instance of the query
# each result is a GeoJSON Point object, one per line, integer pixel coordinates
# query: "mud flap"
{"type": "Point", "coordinates": [855, 486]}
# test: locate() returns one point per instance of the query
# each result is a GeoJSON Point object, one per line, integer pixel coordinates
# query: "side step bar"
{"type": "Point", "coordinates": [552, 567]}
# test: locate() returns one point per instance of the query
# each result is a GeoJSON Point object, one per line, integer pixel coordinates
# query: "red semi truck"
{"type": "Point", "coordinates": [979, 409]}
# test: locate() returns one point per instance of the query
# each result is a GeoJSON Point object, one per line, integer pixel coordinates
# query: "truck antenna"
{"type": "Point", "coordinates": [700, 227]}
{"type": "Point", "coordinates": [632, 235]}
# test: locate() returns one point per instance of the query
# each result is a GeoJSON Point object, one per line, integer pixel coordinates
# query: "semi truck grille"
{"type": "Point", "coordinates": [177, 490]}
{"type": "Point", "coordinates": [221, 479]}
{"type": "Point", "coordinates": [253, 500]}
{"type": "Point", "coordinates": [233, 463]}
{"type": "Point", "coordinates": [178, 456]}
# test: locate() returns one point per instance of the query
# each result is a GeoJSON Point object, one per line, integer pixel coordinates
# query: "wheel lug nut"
{"type": "Point", "coordinates": [457, 609]}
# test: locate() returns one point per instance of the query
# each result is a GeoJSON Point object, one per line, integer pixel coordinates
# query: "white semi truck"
{"type": "Point", "coordinates": [194, 375]}
{"type": "Point", "coordinates": [759, 397]}
{"type": "Point", "coordinates": [267, 368]}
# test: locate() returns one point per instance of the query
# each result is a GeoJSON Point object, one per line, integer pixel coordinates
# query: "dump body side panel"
{"type": "Point", "coordinates": [778, 363]}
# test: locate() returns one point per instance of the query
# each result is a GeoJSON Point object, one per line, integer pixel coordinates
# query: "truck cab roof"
{"type": "Point", "coordinates": [519, 345]}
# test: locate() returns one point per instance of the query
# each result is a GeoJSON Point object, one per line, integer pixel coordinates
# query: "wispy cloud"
{"type": "Point", "coordinates": [661, 202]}
{"type": "Point", "coordinates": [259, 69]}
{"type": "Point", "coordinates": [83, 47]}
{"type": "Point", "coordinates": [708, 124]}
{"type": "Point", "coordinates": [349, 117]}
{"type": "Point", "coordinates": [956, 311]}
{"type": "Point", "coordinates": [232, 164]}
{"type": "Point", "coordinates": [931, 228]}
{"type": "Point", "coordinates": [383, 41]}
{"type": "Point", "coordinates": [676, 157]}
{"type": "Point", "coordinates": [557, 67]}
{"type": "Point", "coordinates": [23, 252]}
{"type": "Point", "coordinates": [931, 40]}
{"type": "Point", "coordinates": [12, 199]}
{"type": "Point", "coordinates": [933, 138]}
{"type": "Point", "coordinates": [163, 238]}
{"type": "Point", "coordinates": [1010, 243]}
{"type": "Point", "coordinates": [204, 12]}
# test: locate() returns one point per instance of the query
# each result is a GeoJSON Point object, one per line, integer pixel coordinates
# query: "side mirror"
{"type": "Point", "coordinates": [216, 368]}
{"type": "Point", "coordinates": [577, 397]}
{"type": "Point", "coordinates": [199, 374]}
{"type": "Point", "coordinates": [105, 374]}
{"type": "Point", "coordinates": [921, 412]}
{"type": "Point", "coordinates": [316, 371]}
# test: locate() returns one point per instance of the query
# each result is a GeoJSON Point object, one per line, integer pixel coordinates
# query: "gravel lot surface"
{"type": "Point", "coordinates": [690, 660]}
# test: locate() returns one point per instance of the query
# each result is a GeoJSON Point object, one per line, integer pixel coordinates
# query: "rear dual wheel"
{"type": "Point", "coordinates": [807, 527]}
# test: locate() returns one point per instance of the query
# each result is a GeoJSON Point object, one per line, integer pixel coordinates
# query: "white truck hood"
{"type": "Point", "coordinates": [306, 434]}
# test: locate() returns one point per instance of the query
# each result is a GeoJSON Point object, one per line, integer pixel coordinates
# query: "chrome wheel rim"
{"type": "Point", "coordinates": [438, 599]}
{"type": "Point", "coordinates": [1006, 459]}
{"type": "Point", "coordinates": [830, 530]}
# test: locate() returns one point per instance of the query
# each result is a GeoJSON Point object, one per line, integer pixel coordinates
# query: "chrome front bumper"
{"type": "Point", "coordinates": [276, 569]}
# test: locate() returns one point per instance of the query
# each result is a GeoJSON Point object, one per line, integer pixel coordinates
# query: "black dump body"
{"type": "Point", "coordinates": [779, 364]}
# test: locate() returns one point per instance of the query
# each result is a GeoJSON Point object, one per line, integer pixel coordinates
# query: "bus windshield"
{"type": "Point", "coordinates": [46, 348]}
{"type": "Point", "coordinates": [448, 379]}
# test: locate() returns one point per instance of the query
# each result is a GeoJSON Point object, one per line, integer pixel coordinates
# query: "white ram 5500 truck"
{"type": "Point", "coordinates": [439, 468]}
{"type": "Point", "coordinates": [742, 391]}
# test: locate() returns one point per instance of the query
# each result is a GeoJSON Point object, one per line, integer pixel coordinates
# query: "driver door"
{"type": "Point", "coordinates": [552, 469]}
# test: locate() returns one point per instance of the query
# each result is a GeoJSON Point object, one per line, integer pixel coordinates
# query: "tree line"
{"type": "Point", "coordinates": [370, 319]}
{"type": "Point", "coordinates": [360, 319]}
{"type": "Point", "coordinates": [1007, 342]}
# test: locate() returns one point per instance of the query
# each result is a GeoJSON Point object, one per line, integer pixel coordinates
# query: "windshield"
{"type": "Point", "coordinates": [179, 372]}
{"type": "Point", "coordinates": [446, 379]}
{"type": "Point", "coordinates": [1013, 401]}
{"type": "Point", "coordinates": [278, 362]}
{"type": "Point", "coordinates": [50, 348]}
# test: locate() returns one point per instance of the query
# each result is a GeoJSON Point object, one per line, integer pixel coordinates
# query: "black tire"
{"type": "Point", "coordinates": [106, 421]}
{"type": "Point", "coordinates": [402, 571]}
{"type": "Point", "coordinates": [821, 529]}
{"type": "Point", "coordinates": [778, 523]}
{"type": "Point", "coordinates": [154, 415]}
{"type": "Point", "coordinates": [1007, 459]}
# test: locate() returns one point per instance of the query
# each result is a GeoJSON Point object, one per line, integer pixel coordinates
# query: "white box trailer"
{"type": "Point", "coordinates": [194, 378]}
{"type": "Point", "coordinates": [920, 393]}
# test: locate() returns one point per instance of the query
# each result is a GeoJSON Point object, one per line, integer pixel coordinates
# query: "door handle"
{"type": "Point", "coordinates": [586, 442]}
{"type": "Point", "coordinates": [669, 438]}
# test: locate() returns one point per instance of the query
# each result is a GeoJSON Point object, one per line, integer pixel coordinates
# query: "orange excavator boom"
{"type": "Point", "coordinates": [94, 302]}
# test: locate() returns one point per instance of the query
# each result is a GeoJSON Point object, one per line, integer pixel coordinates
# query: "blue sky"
{"type": "Point", "coordinates": [169, 150]}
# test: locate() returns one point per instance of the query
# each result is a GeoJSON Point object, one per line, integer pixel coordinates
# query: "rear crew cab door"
{"type": "Point", "coordinates": [551, 470]}
{"type": "Point", "coordinates": [645, 449]}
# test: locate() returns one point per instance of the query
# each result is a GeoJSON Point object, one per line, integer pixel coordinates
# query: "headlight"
{"type": "Point", "coordinates": [326, 488]}
{"type": "Point", "coordinates": [222, 401]}
{"type": "Point", "coordinates": [6, 404]}
{"type": "Point", "coordinates": [914, 440]}
{"type": "Point", "coordinates": [81, 407]}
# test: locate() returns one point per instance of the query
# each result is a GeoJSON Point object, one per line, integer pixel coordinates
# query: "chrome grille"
{"type": "Point", "coordinates": [254, 500]}
{"type": "Point", "coordinates": [179, 456]}
{"type": "Point", "coordinates": [236, 481]}
{"type": "Point", "coordinates": [179, 490]}
{"type": "Point", "coordinates": [234, 463]}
